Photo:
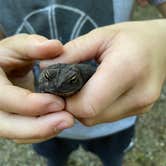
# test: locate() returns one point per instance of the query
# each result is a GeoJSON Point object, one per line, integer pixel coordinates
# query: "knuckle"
{"type": "Point", "coordinates": [90, 111]}
{"type": "Point", "coordinates": [88, 122]}
{"type": "Point", "coordinates": [85, 109]}
{"type": "Point", "coordinates": [122, 36]}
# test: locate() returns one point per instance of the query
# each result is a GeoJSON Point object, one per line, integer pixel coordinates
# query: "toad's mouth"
{"type": "Point", "coordinates": [61, 93]}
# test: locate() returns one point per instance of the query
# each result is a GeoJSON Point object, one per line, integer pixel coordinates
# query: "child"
{"type": "Point", "coordinates": [66, 20]}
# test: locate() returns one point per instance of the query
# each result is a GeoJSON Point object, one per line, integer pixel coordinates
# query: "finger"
{"type": "Point", "coordinates": [113, 116]}
{"type": "Point", "coordinates": [83, 48]}
{"type": "Point", "coordinates": [109, 82]}
{"type": "Point", "coordinates": [32, 141]}
{"type": "Point", "coordinates": [118, 72]}
{"type": "Point", "coordinates": [136, 101]}
{"type": "Point", "coordinates": [21, 101]}
{"type": "Point", "coordinates": [30, 47]}
{"type": "Point", "coordinates": [14, 126]}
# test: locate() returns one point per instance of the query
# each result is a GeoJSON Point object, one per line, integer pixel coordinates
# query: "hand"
{"type": "Point", "coordinates": [131, 72]}
{"type": "Point", "coordinates": [25, 116]}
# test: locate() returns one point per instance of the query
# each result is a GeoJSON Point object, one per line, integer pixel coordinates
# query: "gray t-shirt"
{"type": "Point", "coordinates": [65, 20]}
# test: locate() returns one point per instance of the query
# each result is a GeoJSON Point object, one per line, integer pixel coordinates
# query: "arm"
{"type": "Point", "coordinates": [26, 116]}
{"type": "Point", "coordinates": [131, 73]}
{"type": "Point", "coordinates": [162, 9]}
{"type": "Point", "coordinates": [161, 5]}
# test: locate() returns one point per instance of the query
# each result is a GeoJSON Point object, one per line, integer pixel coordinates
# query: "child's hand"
{"type": "Point", "coordinates": [26, 116]}
{"type": "Point", "coordinates": [131, 73]}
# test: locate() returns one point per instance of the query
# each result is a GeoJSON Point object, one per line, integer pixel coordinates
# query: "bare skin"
{"type": "Point", "coordinates": [131, 73]}
{"type": "Point", "coordinates": [24, 115]}
{"type": "Point", "coordinates": [128, 81]}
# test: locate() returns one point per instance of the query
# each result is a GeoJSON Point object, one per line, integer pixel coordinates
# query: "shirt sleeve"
{"type": "Point", "coordinates": [157, 2]}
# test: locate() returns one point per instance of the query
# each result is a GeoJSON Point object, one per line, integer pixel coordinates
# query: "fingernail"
{"type": "Point", "coordinates": [62, 125]}
{"type": "Point", "coordinates": [56, 106]}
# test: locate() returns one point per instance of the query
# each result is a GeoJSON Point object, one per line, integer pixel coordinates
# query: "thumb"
{"type": "Point", "coordinates": [86, 47]}
{"type": "Point", "coordinates": [30, 47]}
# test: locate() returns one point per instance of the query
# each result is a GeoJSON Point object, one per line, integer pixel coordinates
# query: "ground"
{"type": "Point", "coordinates": [149, 150]}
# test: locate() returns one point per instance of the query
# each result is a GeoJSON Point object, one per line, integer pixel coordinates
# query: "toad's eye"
{"type": "Point", "coordinates": [73, 79]}
{"type": "Point", "coordinates": [50, 75]}
{"type": "Point", "coordinates": [47, 76]}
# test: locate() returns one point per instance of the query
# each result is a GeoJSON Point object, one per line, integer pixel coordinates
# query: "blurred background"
{"type": "Point", "coordinates": [150, 147]}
